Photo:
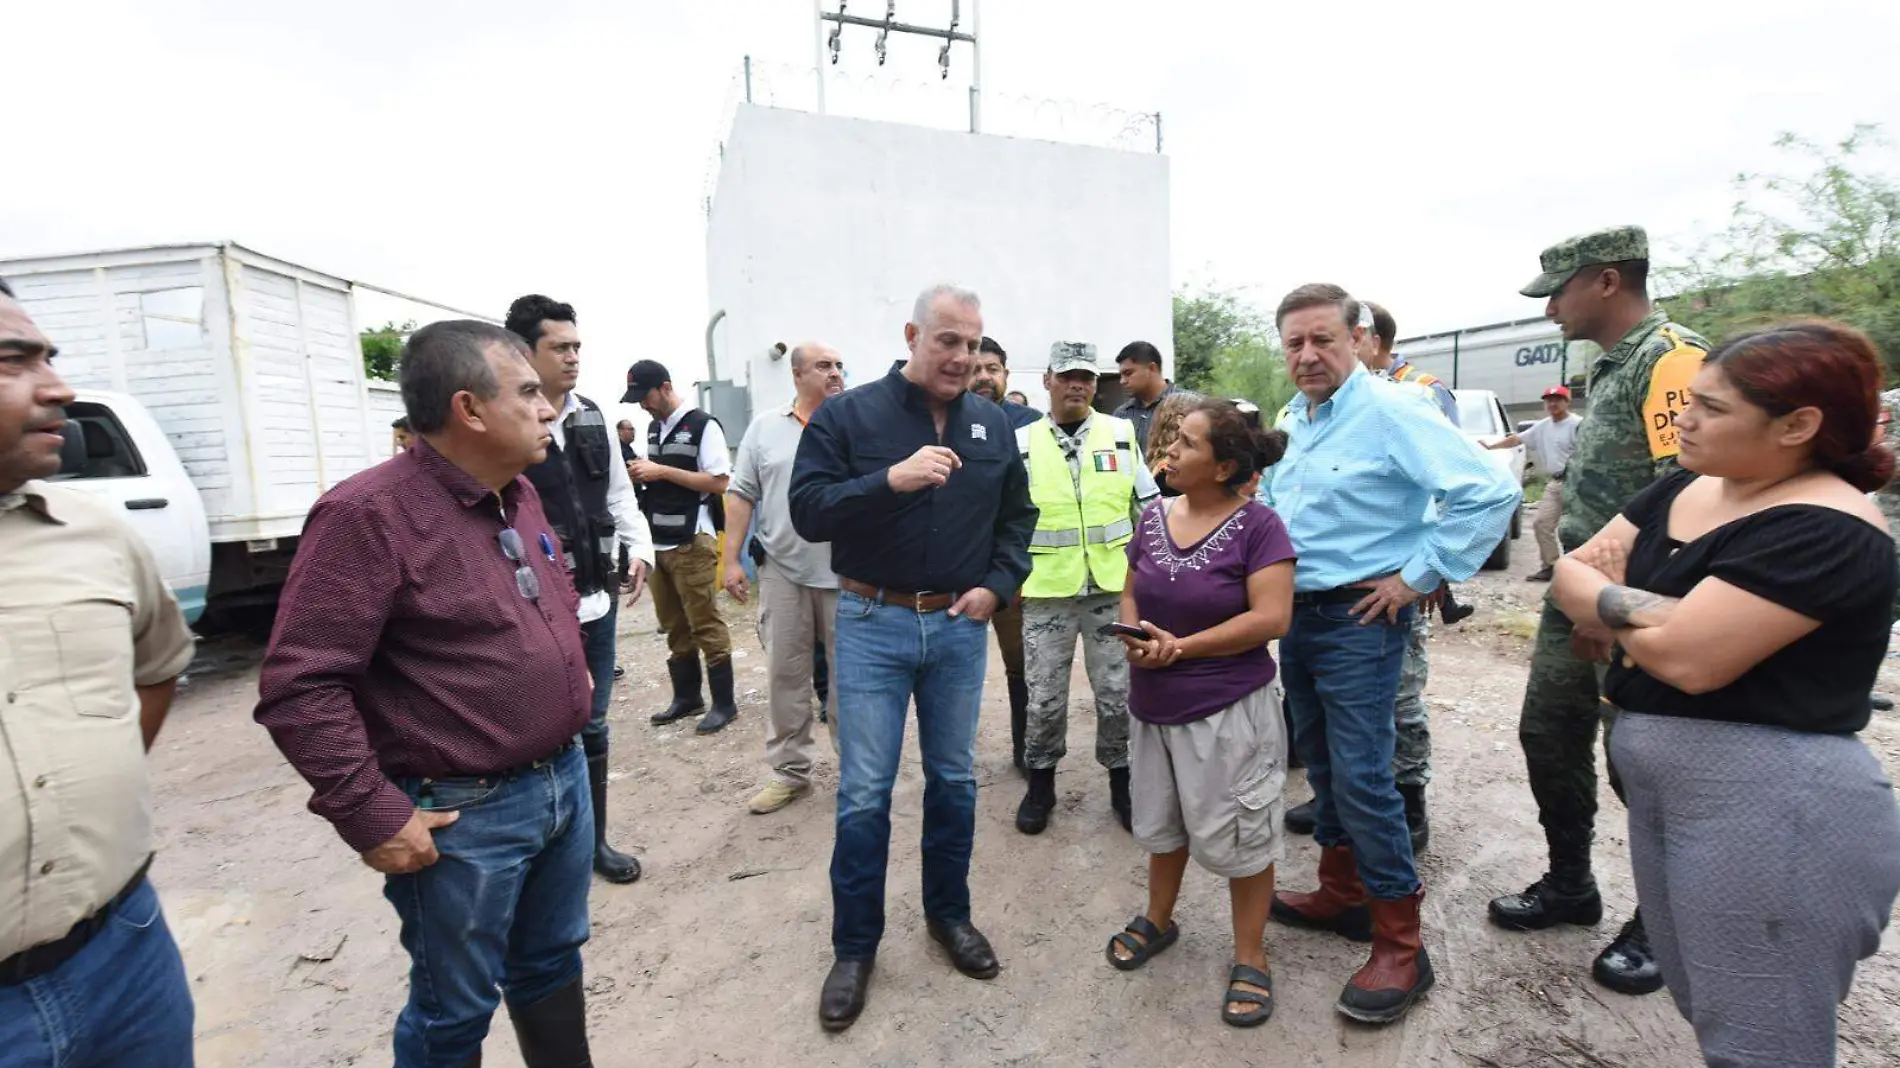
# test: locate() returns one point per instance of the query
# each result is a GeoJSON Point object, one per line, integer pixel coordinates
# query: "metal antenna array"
{"type": "Point", "coordinates": [885, 27]}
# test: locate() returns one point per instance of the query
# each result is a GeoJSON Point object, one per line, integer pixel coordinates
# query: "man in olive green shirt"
{"type": "Point", "coordinates": [1595, 287]}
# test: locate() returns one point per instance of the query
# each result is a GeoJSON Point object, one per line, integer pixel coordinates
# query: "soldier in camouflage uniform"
{"type": "Point", "coordinates": [1595, 285]}
{"type": "Point", "coordinates": [1089, 484]}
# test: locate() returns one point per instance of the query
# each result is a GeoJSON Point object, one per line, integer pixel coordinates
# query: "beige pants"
{"type": "Point", "coordinates": [1544, 527]}
{"type": "Point", "coordinates": [1213, 785]}
{"type": "Point", "coordinates": [793, 618]}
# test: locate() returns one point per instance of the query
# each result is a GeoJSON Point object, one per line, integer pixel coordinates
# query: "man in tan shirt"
{"type": "Point", "coordinates": [91, 645]}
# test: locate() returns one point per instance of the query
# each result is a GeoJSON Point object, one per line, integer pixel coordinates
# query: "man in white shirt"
{"type": "Point", "coordinates": [588, 497]}
{"type": "Point", "coordinates": [798, 591]}
{"type": "Point", "coordinates": [1550, 441]}
{"type": "Point", "coordinates": [686, 469]}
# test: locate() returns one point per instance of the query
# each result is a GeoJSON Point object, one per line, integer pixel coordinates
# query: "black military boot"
{"type": "Point", "coordinates": [1303, 819]}
{"type": "Point", "coordinates": [609, 863]}
{"type": "Point", "coordinates": [724, 710]}
{"type": "Point", "coordinates": [1018, 719]}
{"type": "Point", "coordinates": [1415, 821]}
{"type": "Point", "coordinates": [1033, 815]}
{"type": "Point", "coordinates": [686, 697]}
{"type": "Point", "coordinates": [1118, 798]}
{"type": "Point", "coordinates": [1566, 894]}
{"type": "Point", "coordinates": [552, 1032]}
{"type": "Point", "coordinates": [1627, 965]}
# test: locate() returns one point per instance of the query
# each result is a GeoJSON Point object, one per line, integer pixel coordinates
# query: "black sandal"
{"type": "Point", "coordinates": [1140, 951]}
{"type": "Point", "coordinates": [1263, 1003]}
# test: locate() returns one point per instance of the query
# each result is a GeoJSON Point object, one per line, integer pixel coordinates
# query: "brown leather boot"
{"type": "Point", "coordinates": [1399, 970]}
{"type": "Point", "coordinates": [1339, 905]}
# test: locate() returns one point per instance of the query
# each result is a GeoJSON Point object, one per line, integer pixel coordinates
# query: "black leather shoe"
{"type": "Point", "coordinates": [1303, 819]}
{"type": "Point", "coordinates": [1546, 904]}
{"type": "Point", "coordinates": [1627, 965]}
{"type": "Point", "coordinates": [968, 949]}
{"type": "Point", "coordinates": [846, 989]}
{"type": "Point", "coordinates": [1543, 574]}
{"type": "Point", "coordinates": [1453, 613]}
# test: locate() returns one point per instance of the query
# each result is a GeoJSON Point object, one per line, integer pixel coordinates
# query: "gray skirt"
{"type": "Point", "coordinates": [1767, 862]}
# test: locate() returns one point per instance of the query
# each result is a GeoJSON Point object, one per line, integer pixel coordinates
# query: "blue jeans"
{"type": "Point", "coordinates": [1342, 680]}
{"type": "Point", "coordinates": [886, 655]}
{"type": "Point", "coordinates": [597, 640]}
{"type": "Point", "coordinates": [122, 1000]}
{"type": "Point", "coordinates": [505, 909]}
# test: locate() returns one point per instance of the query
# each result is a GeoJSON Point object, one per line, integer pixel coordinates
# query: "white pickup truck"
{"type": "Point", "coordinates": [1483, 419]}
{"type": "Point", "coordinates": [219, 393]}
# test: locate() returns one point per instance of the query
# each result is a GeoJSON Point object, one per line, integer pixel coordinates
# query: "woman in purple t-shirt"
{"type": "Point", "coordinates": [1210, 584]}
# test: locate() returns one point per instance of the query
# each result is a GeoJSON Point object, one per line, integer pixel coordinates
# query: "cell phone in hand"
{"type": "Point", "coordinates": [1121, 630]}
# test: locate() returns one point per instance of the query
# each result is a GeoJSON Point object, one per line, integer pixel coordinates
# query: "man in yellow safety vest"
{"type": "Point", "coordinates": [1089, 484]}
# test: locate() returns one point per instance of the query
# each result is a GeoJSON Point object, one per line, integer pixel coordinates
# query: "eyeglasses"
{"type": "Point", "coordinates": [1248, 410]}
{"type": "Point", "coordinates": [525, 579]}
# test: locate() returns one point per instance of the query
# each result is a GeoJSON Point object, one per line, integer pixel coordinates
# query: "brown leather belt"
{"type": "Point", "coordinates": [920, 602]}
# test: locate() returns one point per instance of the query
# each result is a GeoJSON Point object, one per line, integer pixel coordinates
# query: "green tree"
{"type": "Point", "coordinates": [382, 347]}
{"type": "Point", "coordinates": [1223, 346]}
{"type": "Point", "coordinates": [1825, 242]}
{"type": "Point", "coordinates": [1208, 321]}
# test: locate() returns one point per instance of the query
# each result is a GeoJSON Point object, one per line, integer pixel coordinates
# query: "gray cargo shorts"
{"type": "Point", "coordinates": [1213, 786]}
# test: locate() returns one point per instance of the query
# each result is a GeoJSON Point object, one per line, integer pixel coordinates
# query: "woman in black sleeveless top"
{"type": "Point", "coordinates": [1749, 594]}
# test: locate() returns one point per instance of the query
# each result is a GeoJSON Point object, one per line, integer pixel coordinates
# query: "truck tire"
{"type": "Point", "coordinates": [1517, 523]}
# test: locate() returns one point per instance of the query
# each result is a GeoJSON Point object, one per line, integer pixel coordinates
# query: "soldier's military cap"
{"type": "Point", "coordinates": [1561, 261]}
{"type": "Point", "coordinates": [1072, 356]}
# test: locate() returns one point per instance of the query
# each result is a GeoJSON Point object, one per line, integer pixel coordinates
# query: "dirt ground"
{"type": "Point", "coordinates": [716, 956]}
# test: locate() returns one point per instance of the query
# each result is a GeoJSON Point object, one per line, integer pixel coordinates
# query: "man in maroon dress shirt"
{"type": "Point", "coordinates": [427, 678]}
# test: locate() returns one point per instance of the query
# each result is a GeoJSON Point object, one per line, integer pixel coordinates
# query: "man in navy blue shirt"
{"type": "Point", "coordinates": [917, 485]}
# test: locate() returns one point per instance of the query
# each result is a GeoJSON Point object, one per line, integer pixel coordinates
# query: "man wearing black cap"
{"type": "Point", "coordinates": [685, 472]}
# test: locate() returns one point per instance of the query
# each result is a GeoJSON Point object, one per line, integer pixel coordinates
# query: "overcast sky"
{"type": "Point", "coordinates": [1419, 154]}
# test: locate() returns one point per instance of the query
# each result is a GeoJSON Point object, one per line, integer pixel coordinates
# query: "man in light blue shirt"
{"type": "Point", "coordinates": [1385, 501]}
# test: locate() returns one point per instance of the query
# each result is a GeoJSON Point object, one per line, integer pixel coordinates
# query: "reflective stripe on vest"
{"type": "Point", "coordinates": [1079, 540]}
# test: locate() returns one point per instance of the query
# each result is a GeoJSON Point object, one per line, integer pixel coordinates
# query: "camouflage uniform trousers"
{"type": "Point", "coordinates": [1412, 755]}
{"type": "Point", "coordinates": [1051, 626]}
{"type": "Point", "coordinates": [1558, 731]}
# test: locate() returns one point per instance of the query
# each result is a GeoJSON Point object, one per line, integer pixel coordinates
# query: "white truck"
{"type": "Point", "coordinates": [219, 393]}
{"type": "Point", "coordinates": [1482, 417]}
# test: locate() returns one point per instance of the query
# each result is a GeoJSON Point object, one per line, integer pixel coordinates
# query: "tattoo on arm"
{"type": "Point", "coordinates": [1617, 604]}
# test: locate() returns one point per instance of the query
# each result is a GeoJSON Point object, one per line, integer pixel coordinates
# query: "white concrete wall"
{"type": "Point", "coordinates": [828, 227]}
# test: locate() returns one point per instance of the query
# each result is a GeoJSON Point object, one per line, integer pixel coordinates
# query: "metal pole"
{"type": "Point", "coordinates": [1157, 133]}
{"type": "Point", "coordinates": [818, 50]}
{"type": "Point", "coordinates": [748, 79]}
{"type": "Point", "coordinates": [976, 69]}
{"type": "Point", "coordinates": [1454, 358]}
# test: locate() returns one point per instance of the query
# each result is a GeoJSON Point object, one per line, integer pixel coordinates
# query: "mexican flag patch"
{"type": "Point", "coordinates": [1106, 461]}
